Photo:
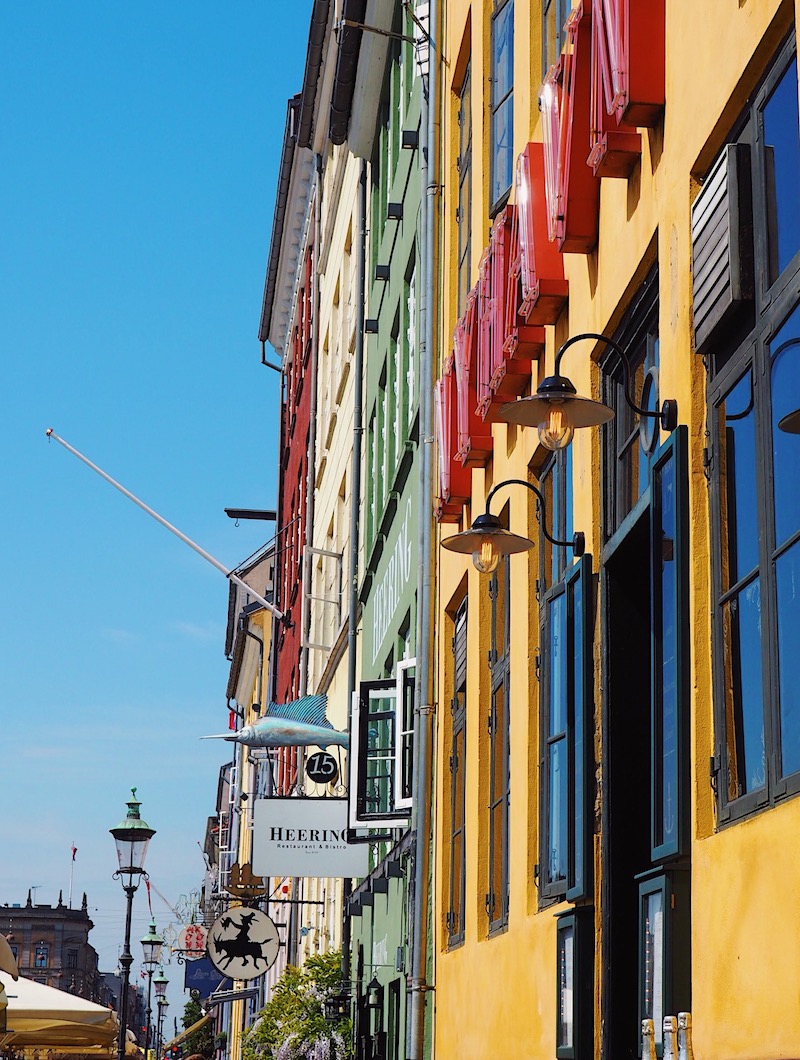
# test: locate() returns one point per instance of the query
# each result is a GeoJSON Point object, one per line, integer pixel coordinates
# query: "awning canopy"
{"type": "Point", "coordinates": [43, 1016]}
{"type": "Point", "coordinates": [189, 1030]}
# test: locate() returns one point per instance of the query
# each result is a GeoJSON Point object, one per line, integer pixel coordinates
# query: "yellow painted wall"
{"type": "Point", "coordinates": [496, 997]}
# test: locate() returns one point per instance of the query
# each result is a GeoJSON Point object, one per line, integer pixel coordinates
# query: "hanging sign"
{"type": "Point", "coordinates": [305, 837]}
{"type": "Point", "coordinates": [322, 768]}
{"type": "Point", "coordinates": [243, 943]}
{"type": "Point", "coordinates": [192, 941]}
{"type": "Point", "coordinates": [202, 976]}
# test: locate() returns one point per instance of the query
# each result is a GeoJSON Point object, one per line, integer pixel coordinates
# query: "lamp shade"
{"type": "Point", "coordinates": [556, 410]}
{"type": "Point", "coordinates": [132, 837]}
{"type": "Point", "coordinates": [790, 423]}
{"type": "Point", "coordinates": [151, 945]}
{"type": "Point", "coordinates": [160, 984]}
{"type": "Point", "coordinates": [487, 541]}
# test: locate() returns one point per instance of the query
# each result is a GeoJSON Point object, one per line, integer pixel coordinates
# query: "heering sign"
{"type": "Point", "coordinates": [305, 837]}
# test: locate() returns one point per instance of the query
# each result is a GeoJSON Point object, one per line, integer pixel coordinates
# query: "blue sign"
{"type": "Point", "coordinates": [202, 976]}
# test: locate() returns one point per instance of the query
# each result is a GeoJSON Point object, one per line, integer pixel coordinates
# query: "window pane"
{"type": "Point", "coordinates": [557, 847]}
{"type": "Point", "coordinates": [566, 978]}
{"type": "Point", "coordinates": [380, 752]}
{"type": "Point", "coordinates": [782, 157]}
{"type": "Point", "coordinates": [577, 876]}
{"type": "Point", "coordinates": [666, 662]}
{"type": "Point", "coordinates": [558, 665]}
{"type": "Point", "coordinates": [502, 148]}
{"type": "Point", "coordinates": [503, 53]}
{"type": "Point", "coordinates": [744, 703]}
{"type": "Point", "coordinates": [653, 999]}
{"type": "Point", "coordinates": [788, 579]}
{"type": "Point", "coordinates": [738, 500]}
{"type": "Point", "coordinates": [786, 445]}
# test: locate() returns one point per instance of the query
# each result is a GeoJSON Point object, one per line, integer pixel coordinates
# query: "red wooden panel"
{"type": "Point", "coordinates": [615, 146]}
{"type": "Point", "coordinates": [543, 289]}
{"type": "Point", "coordinates": [510, 374]}
{"type": "Point", "coordinates": [455, 480]}
{"type": "Point", "coordinates": [474, 439]}
{"type": "Point", "coordinates": [573, 190]}
{"type": "Point", "coordinates": [644, 35]}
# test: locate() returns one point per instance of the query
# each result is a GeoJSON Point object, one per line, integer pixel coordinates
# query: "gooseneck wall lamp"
{"type": "Point", "coordinates": [556, 409]}
{"type": "Point", "coordinates": [132, 837]}
{"type": "Point", "coordinates": [487, 540]}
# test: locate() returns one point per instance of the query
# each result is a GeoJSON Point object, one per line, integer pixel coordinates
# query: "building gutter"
{"type": "Point", "coordinates": [355, 505]}
{"type": "Point", "coordinates": [424, 712]}
{"type": "Point", "coordinates": [312, 430]}
{"type": "Point", "coordinates": [308, 97]}
{"type": "Point", "coordinates": [344, 85]}
{"type": "Point", "coordinates": [281, 198]}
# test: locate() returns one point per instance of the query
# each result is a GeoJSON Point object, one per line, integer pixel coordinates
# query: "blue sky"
{"type": "Point", "coordinates": [140, 148]}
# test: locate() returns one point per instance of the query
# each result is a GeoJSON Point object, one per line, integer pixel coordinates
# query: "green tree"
{"type": "Point", "coordinates": [202, 1040]}
{"type": "Point", "coordinates": [292, 1024]}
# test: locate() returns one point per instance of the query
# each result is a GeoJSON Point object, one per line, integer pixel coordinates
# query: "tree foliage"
{"type": "Point", "coordinates": [292, 1024]}
{"type": "Point", "coordinates": [202, 1040]}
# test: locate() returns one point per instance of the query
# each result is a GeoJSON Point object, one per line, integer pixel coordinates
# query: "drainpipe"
{"type": "Point", "coordinates": [424, 716]}
{"type": "Point", "coordinates": [355, 505]}
{"type": "Point", "coordinates": [312, 432]}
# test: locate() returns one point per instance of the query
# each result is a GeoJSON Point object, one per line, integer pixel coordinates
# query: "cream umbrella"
{"type": "Point", "coordinates": [43, 1016]}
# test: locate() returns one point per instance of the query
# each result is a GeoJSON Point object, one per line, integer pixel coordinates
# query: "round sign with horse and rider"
{"type": "Point", "coordinates": [243, 943]}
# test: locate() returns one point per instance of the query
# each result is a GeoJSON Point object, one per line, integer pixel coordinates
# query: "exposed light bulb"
{"type": "Point", "coordinates": [556, 430]}
{"type": "Point", "coordinates": [486, 559]}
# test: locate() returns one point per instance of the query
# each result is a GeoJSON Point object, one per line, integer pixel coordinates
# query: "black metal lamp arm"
{"type": "Point", "coordinates": [578, 542]}
{"type": "Point", "coordinates": [668, 414]}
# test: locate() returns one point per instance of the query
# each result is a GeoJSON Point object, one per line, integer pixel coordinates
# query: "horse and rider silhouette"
{"type": "Point", "coordinates": [240, 947]}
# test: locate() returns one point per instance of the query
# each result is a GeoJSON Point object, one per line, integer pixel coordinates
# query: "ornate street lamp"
{"type": "Point", "coordinates": [151, 947]}
{"type": "Point", "coordinates": [132, 837]}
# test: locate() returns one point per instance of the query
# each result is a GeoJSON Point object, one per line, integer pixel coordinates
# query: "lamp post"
{"type": "Point", "coordinates": [132, 837]}
{"type": "Point", "coordinates": [163, 1005]}
{"type": "Point", "coordinates": [160, 983]}
{"type": "Point", "coordinates": [151, 947]}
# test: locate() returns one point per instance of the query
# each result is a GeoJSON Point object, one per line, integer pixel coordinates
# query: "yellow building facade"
{"type": "Point", "coordinates": [615, 827]}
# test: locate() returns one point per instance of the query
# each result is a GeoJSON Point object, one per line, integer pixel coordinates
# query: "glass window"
{"type": "Point", "coordinates": [499, 749]}
{"type": "Point", "coordinates": [464, 211]}
{"type": "Point", "coordinates": [554, 16]}
{"type": "Point", "coordinates": [501, 149]}
{"type": "Point", "coordinates": [458, 721]}
{"type": "Point", "coordinates": [41, 956]}
{"type": "Point", "coordinates": [754, 457]}
{"type": "Point", "coordinates": [781, 165]}
{"type": "Point", "coordinates": [565, 684]}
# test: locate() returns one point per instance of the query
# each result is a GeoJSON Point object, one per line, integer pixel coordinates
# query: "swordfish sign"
{"type": "Point", "coordinates": [243, 943]}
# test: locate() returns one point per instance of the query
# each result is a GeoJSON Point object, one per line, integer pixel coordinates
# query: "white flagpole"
{"type": "Point", "coordinates": [73, 851]}
{"type": "Point", "coordinates": [173, 529]}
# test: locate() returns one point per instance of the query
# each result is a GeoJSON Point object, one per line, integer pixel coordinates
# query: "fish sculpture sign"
{"type": "Point", "coordinates": [301, 723]}
{"type": "Point", "coordinates": [243, 943]}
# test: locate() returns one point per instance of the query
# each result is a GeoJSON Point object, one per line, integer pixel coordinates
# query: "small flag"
{"type": "Point", "coordinates": [74, 851]}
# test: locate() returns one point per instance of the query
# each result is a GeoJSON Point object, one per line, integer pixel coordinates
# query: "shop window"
{"type": "Point", "coordinates": [753, 461]}
{"type": "Point", "coordinates": [501, 120]}
{"type": "Point", "coordinates": [497, 897]}
{"type": "Point", "coordinates": [566, 714]}
{"type": "Point", "coordinates": [574, 984]}
{"type": "Point", "coordinates": [457, 764]}
{"type": "Point", "coordinates": [554, 16]}
{"type": "Point", "coordinates": [664, 931]}
{"type": "Point", "coordinates": [382, 750]}
{"type": "Point", "coordinates": [464, 210]}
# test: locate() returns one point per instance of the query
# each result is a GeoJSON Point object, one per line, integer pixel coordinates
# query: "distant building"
{"type": "Point", "coordinates": [51, 946]}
